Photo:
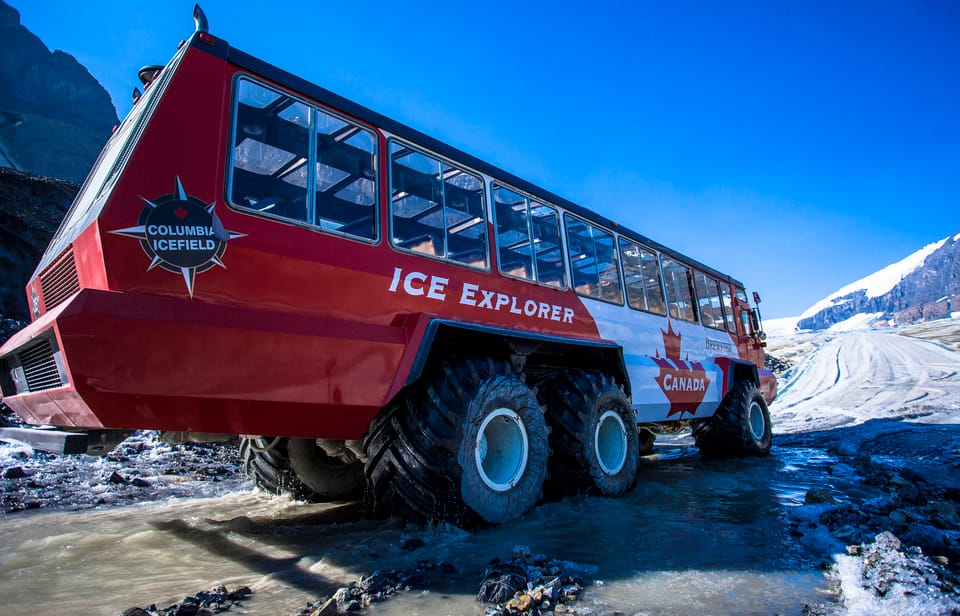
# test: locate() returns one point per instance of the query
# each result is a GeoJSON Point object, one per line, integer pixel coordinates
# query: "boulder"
{"type": "Point", "coordinates": [817, 496]}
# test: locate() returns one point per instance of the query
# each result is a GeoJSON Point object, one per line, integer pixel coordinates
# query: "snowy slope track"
{"type": "Point", "coordinates": [858, 376]}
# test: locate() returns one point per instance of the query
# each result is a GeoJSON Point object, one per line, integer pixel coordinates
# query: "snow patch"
{"type": "Point", "coordinates": [856, 322]}
{"type": "Point", "coordinates": [879, 282]}
{"type": "Point", "coordinates": [886, 580]}
{"type": "Point", "coordinates": [780, 328]}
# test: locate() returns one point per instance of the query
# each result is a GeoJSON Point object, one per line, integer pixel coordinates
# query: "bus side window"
{"type": "Point", "coordinates": [273, 169]}
{"type": "Point", "coordinates": [416, 201]}
{"type": "Point", "coordinates": [679, 285]}
{"type": "Point", "coordinates": [593, 261]}
{"type": "Point", "coordinates": [465, 217]}
{"type": "Point", "coordinates": [437, 209]}
{"type": "Point", "coordinates": [513, 233]}
{"type": "Point", "coordinates": [545, 239]}
{"type": "Point", "coordinates": [708, 297]}
{"type": "Point", "coordinates": [731, 324]}
{"type": "Point", "coordinates": [528, 238]}
{"type": "Point", "coordinates": [345, 194]}
{"type": "Point", "coordinates": [641, 275]}
{"type": "Point", "coordinates": [270, 152]}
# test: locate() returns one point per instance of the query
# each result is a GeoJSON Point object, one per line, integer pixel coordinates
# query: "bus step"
{"type": "Point", "coordinates": [53, 441]}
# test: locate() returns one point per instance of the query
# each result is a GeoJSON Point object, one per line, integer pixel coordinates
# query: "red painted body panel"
{"type": "Point", "coordinates": [175, 364]}
{"type": "Point", "coordinates": [768, 385]}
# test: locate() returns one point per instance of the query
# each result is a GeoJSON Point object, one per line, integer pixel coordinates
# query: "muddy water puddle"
{"type": "Point", "coordinates": [694, 537]}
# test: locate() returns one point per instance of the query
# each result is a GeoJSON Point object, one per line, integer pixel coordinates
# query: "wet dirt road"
{"type": "Point", "coordinates": [694, 537]}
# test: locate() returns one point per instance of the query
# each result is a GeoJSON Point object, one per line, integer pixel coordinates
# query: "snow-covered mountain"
{"type": "Point", "coordinates": [921, 287]}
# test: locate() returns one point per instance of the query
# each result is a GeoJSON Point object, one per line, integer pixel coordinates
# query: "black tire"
{"type": "Point", "coordinates": [425, 454]}
{"type": "Point", "coordinates": [593, 434]}
{"type": "Point", "coordinates": [299, 468]}
{"type": "Point", "coordinates": [265, 461]}
{"type": "Point", "coordinates": [740, 427]}
{"type": "Point", "coordinates": [325, 478]}
{"type": "Point", "coordinates": [647, 439]}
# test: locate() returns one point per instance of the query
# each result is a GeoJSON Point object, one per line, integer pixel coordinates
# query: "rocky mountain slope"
{"type": "Point", "coordinates": [31, 208]}
{"type": "Point", "coordinates": [922, 287]}
{"type": "Point", "coordinates": [48, 99]}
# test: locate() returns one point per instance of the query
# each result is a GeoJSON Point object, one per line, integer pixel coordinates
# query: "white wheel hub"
{"type": "Point", "coordinates": [758, 424]}
{"type": "Point", "coordinates": [501, 449]}
{"type": "Point", "coordinates": [610, 442]}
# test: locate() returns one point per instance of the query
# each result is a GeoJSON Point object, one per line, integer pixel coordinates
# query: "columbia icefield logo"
{"type": "Point", "coordinates": [181, 234]}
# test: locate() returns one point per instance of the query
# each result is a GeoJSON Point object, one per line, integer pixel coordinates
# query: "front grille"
{"type": "Point", "coordinates": [59, 281]}
{"type": "Point", "coordinates": [39, 366]}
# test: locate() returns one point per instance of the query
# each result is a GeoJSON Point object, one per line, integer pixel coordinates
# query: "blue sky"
{"type": "Point", "coordinates": [797, 146]}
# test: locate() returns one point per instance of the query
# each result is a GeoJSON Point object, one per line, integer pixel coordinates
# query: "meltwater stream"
{"type": "Point", "coordinates": [694, 537]}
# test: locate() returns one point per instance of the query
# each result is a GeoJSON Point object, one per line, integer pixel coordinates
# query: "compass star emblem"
{"type": "Point", "coordinates": [181, 234]}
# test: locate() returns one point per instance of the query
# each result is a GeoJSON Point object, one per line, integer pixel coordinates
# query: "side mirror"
{"type": "Point", "coordinates": [758, 324]}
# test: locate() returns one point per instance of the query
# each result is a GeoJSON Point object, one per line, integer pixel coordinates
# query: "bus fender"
{"type": "Point", "coordinates": [433, 339]}
{"type": "Point", "coordinates": [735, 370]}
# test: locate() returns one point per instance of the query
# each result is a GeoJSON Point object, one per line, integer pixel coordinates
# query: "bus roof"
{"type": "Point", "coordinates": [311, 90]}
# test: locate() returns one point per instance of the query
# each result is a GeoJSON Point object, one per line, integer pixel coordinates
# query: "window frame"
{"type": "Point", "coordinates": [690, 287]}
{"type": "Point", "coordinates": [726, 298]}
{"type": "Point", "coordinates": [719, 296]}
{"type": "Point", "coordinates": [311, 205]}
{"type": "Point", "coordinates": [623, 271]}
{"type": "Point", "coordinates": [561, 243]}
{"type": "Point", "coordinates": [453, 163]}
{"type": "Point", "coordinates": [567, 215]}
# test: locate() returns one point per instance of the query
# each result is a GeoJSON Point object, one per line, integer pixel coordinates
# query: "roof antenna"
{"type": "Point", "coordinates": [200, 19]}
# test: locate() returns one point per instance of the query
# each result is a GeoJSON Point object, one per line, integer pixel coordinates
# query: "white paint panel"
{"type": "Point", "coordinates": [642, 337]}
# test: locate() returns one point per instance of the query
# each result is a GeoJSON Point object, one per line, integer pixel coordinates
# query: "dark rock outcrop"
{"type": "Point", "coordinates": [31, 208]}
{"type": "Point", "coordinates": [930, 292]}
{"type": "Point", "coordinates": [54, 116]}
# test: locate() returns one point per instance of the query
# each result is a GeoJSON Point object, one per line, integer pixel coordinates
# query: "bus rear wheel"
{"type": "Point", "coordinates": [594, 435]}
{"type": "Point", "coordinates": [740, 427]}
{"type": "Point", "coordinates": [467, 446]}
{"type": "Point", "coordinates": [325, 477]}
{"type": "Point", "coordinates": [265, 462]}
{"type": "Point", "coordinates": [299, 468]}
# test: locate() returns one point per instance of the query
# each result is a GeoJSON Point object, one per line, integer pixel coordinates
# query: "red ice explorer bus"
{"type": "Point", "coordinates": [368, 308]}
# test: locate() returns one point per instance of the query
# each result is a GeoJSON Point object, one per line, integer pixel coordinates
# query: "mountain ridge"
{"type": "Point", "coordinates": [923, 286]}
{"type": "Point", "coordinates": [48, 99]}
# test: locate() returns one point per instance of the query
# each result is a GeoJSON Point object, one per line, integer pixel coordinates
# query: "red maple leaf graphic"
{"type": "Point", "coordinates": [684, 383]}
{"type": "Point", "coordinates": [671, 342]}
{"type": "Point", "coordinates": [181, 213]}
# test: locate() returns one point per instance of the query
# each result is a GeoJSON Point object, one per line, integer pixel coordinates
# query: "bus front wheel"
{"type": "Point", "coordinates": [740, 427]}
{"type": "Point", "coordinates": [467, 446]}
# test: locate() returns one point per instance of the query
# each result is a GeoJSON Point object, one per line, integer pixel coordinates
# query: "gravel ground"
{"type": "Point", "coordinates": [139, 469]}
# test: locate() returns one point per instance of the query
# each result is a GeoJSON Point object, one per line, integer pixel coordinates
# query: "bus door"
{"type": "Point", "coordinates": [748, 328]}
